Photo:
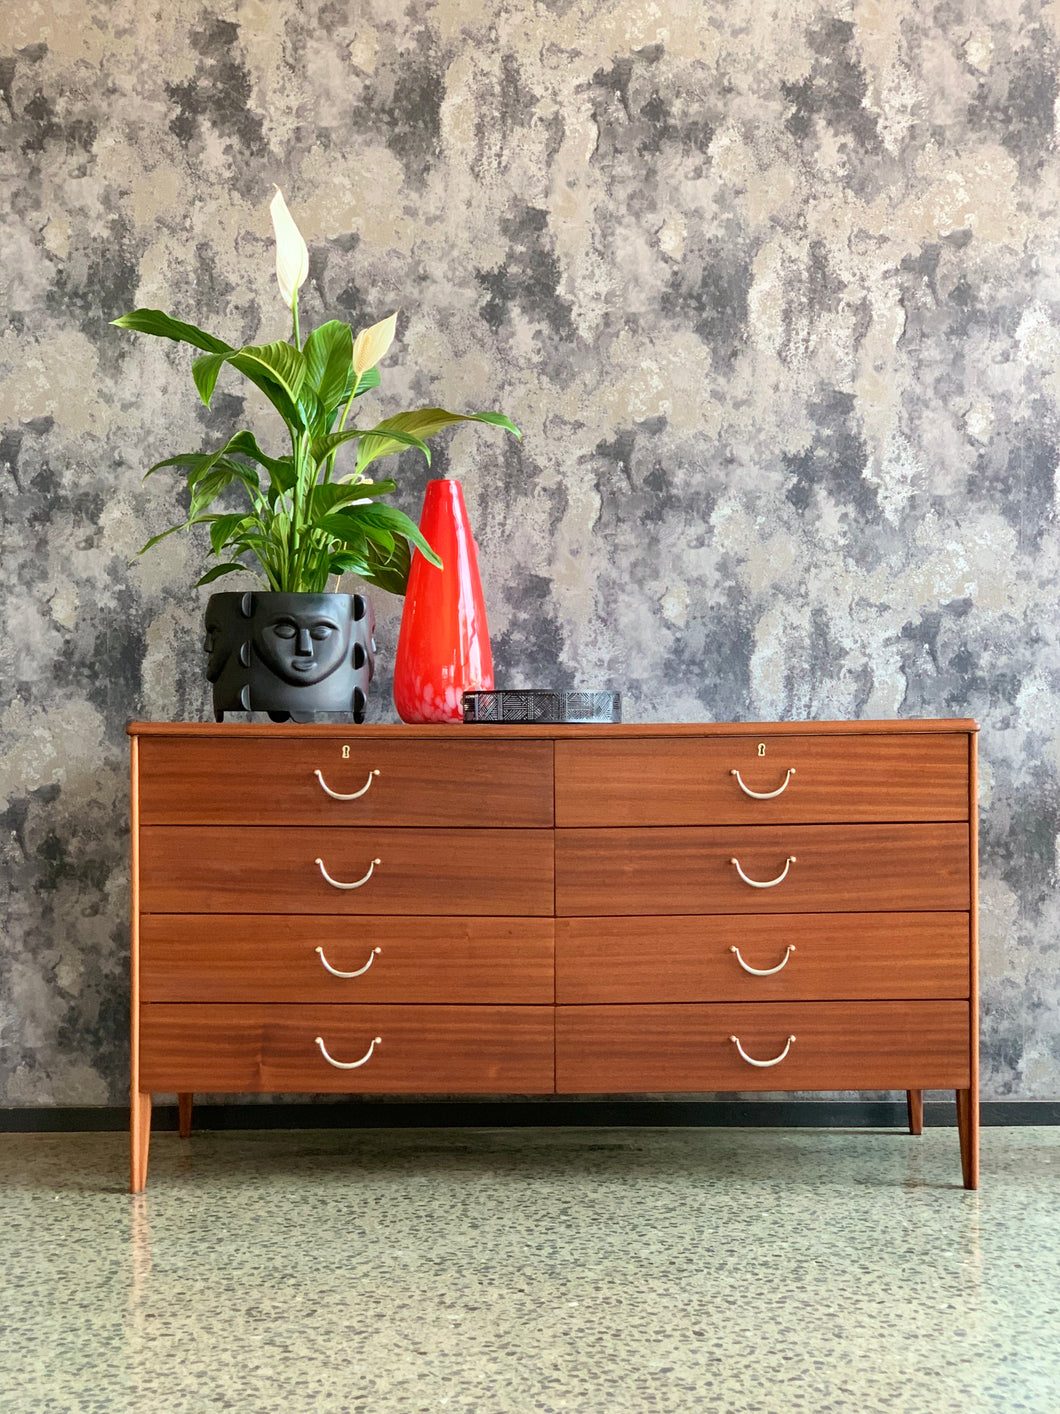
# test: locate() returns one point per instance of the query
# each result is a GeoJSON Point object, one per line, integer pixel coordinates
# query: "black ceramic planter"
{"type": "Point", "coordinates": [290, 655]}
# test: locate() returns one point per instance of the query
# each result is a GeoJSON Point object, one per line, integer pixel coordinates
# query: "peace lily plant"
{"type": "Point", "coordinates": [303, 523]}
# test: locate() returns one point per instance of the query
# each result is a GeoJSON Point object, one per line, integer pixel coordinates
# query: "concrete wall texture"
{"type": "Point", "coordinates": [771, 287]}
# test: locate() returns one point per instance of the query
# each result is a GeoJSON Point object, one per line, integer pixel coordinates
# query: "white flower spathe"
{"type": "Point", "coordinates": [371, 344]}
{"type": "Point", "coordinates": [292, 255]}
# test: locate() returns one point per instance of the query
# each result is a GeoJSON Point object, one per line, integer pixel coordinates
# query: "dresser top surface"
{"type": "Point", "coordinates": [550, 731]}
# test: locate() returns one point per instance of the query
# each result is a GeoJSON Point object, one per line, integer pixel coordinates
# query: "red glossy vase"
{"type": "Point", "coordinates": [444, 645]}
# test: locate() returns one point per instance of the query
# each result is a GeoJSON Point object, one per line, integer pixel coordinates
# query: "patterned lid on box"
{"type": "Point", "coordinates": [534, 705]}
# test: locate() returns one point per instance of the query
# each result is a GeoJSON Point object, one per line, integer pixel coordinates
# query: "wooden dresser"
{"type": "Point", "coordinates": [538, 910]}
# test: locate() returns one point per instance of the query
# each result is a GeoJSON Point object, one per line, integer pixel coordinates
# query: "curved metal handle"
{"type": "Point", "coordinates": [337, 795]}
{"type": "Point", "coordinates": [754, 971]}
{"type": "Point", "coordinates": [361, 970]}
{"type": "Point", "coordinates": [357, 883]}
{"type": "Point", "coordinates": [348, 1065]}
{"type": "Point", "coordinates": [762, 883]}
{"type": "Point", "coordinates": [759, 794]}
{"type": "Point", "coordinates": [761, 1064]}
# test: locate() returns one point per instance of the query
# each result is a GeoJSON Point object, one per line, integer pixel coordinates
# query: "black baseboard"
{"type": "Point", "coordinates": [506, 1114]}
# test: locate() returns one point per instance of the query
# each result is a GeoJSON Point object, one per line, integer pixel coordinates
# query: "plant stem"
{"type": "Point", "coordinates": [349, 403]}
{"type": "Point", "coordinates": [294, 313]}
{"type": "Point", "coordinates": [330, 465]}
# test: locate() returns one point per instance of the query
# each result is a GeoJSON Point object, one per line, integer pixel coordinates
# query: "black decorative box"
{"type": "Point", "coordinates": [534, 705]}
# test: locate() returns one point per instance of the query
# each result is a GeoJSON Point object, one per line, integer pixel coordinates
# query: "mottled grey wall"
{"type": "Point", "coordinates": [772, 289]}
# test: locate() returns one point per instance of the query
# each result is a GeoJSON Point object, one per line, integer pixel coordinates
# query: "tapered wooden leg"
{"type": "Point", "coordinates": [968, 1129]}
{"type": "Point", "coordinates": [184, 1103]}
{"type": "Point", "coordinates": [139, 1141]}
{"type": "Point", "coordinates": [915, 1103]}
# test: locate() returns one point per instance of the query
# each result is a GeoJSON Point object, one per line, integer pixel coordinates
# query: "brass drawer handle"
{"type": "Point", "coordinates": [335, 884]}
{"type": "Point", "coordinates": [754, 971]}
{"type": "Point", "coordinates": [761, 1064]}
{"type": "Point", "coordinates": [762, 794]}
{"type": "Point", "coordinates": [348, 1065]}
{"type": "Point", "coordinates": [336, 795]}
{"type": "Point", "coordinates": [361, 970]}
{"type": "Point", "coordinates": [760, 883]}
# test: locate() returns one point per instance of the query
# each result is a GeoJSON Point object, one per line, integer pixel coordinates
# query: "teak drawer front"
{"type": "Point", "coordinates": [690, 782]}
{"type": "Point", "coordinates": [837, 1046]}
{"type": "Point", "coordinates": [263, 869]}
{"type": "Point", "coordinates": [836, 869]}
{"type": "Point", "coordinates": [820, 956]}
{"type": "Point", "coordinates": [273, 1049]}
{"type": "Point", "coordinates": [284, 958]}
{"type": "Point", "coordinates": [273, 782]}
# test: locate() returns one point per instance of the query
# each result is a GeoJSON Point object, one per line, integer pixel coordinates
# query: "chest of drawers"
{"type": "Point", "coordinates": [554, 910]}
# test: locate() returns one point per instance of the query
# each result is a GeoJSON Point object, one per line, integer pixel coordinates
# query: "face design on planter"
{"type": "Point", "coordinates": [302, 647]}
{"type": "Point", "coordinates": [217, 644]}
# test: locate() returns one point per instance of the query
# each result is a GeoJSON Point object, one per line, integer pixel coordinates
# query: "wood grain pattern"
{"type": "Point", "coordinates": [229, 908]}
{"type": "Point", "coordinates": [139, 1140]}
{"type": "Point", "coordinates": [838, 869]}
{"type": "Point", "coordinates": [277, 731]}
{"type": "Point", "coordinates": [274, 958]}
{"type": "Point", "coordinates": [969, 1129]}
{"type": "Point", "coordinates": [837, 1046]}
{"type": "Point", "coordinates": [272, 1049]}
{"type": "Point", "coordinates": [253, 781]}
{"type": "Point", "coordinates": [968, 1132]}
{"type": "Point", "coordinates": [842, 778]}
{"type": "Point", "coordinates": [837, 956]}
{"type": "Point", "coordinates": [914, 1101]}
{"type": "Point", "coordinates": [265, 869]}
{"type": "Point", "coordinates": [139, 1103]}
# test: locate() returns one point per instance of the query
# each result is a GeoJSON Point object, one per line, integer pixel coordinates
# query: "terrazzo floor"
{"type": "Point", "coordinates": [720, 1271]}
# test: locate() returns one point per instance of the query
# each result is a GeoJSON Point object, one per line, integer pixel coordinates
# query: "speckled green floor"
{"type": "Point", "coordinates": [600, 1271]}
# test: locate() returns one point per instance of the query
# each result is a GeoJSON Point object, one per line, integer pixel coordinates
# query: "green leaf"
{"type": "Point", "coordinates": [368, 380]}
{"type": "Point", "coordinates": [322, 447]}
{"type": "Point", "coordinates": [368, 489]}
{"type": "Point", "coordinates": [184, 525]}
{"type": "Point", "coordinates": [218, 570]}
{"type": "Point", "coordinates": [389, 518]}
{"type": "Point", "coordinates": [156, 538]}
{"type": "Point", "coordinates": [336, 493]}
{"type": "Point", "coordinates": [497, 419]}
{"type": "Point", "coordinates": [201, 465]}
{"type": "Point", "coordinates": [383, 439]}
{"type": "Point", "coordinates": [163, 326]}
{"type": "Point", "coordinates": [355, 388]}
{"type": "Point", "coordinates": [310, 411]}
{"type": "Point", "coordinates": [276, 395]}
{"type": "Point", "coordinates": [191, 461]}
{"type": "Point", "coordinates": [246, 445]}
{"type": "Point", "coordinates": [342, 525]}
{"type": "Point", "coordinates": [236, 471]}
{"type": "Point", "coordinates": [329, 355]}
{"type": "Point", "coordinates": [209, 487]}
{"type": "Point", "coordinates": [279, 361]}
{"type": "Point", "coordinates": [205, 370]}
{"type": "Point", "coordinates": [385, 525]}
{"type": "Point", "coordinates": [277, 369]}
{"type": "Point", "coordinates": [345, 562]}
{"type": "Point", "coordinates": [389, 572]}
{"type": "Point", "coordinates": [224, 528]}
